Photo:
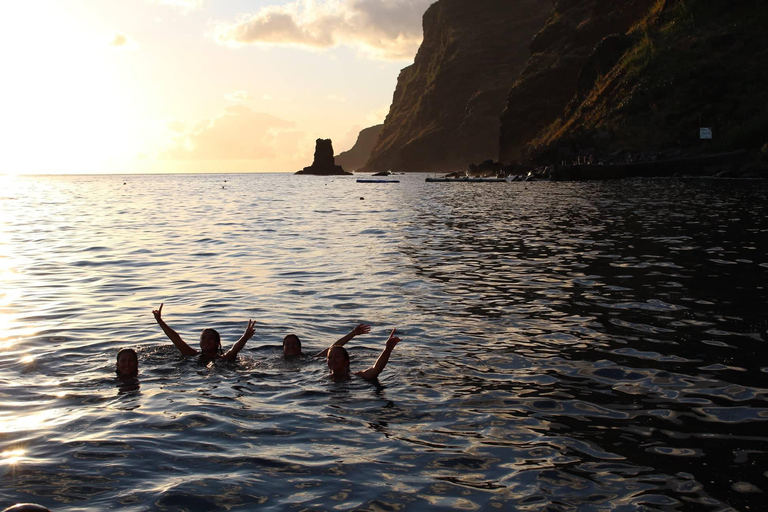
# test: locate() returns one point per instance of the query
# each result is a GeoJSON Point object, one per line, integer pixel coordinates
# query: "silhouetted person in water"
{"type": "Point", "coordinates": [127, 364]}
{"type": "Point", "coordinates": [210, 341]}
{"type": "Point", "coordinates": [26, 507]}
{"type": "Point", "coordinates": [292, 343]}
{"type": "Point", "coordinates": [338, 361]}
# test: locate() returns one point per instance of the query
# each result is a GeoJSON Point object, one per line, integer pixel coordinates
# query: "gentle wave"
{"type": "Point", "coordinates": [566, 346]}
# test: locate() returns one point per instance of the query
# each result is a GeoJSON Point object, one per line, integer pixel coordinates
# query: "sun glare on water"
{"type": "Point", "coordinates": [11, 457]}
{"type": "Point", "coordinates": [29, 422]}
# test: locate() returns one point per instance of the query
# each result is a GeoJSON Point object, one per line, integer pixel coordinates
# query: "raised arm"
{"type": "Point", "coordinates": [374, 371]}
{"type": "Point", "coordinates": [360, 329]}
{"type": "Point", "coordinates": [173, 335]}
{"type": "Point", "coordinates": [239, 344]}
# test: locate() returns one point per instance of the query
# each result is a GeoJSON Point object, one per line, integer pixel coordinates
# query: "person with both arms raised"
{"type": "Point", "coordinates": [210, 341]}
{"type": "Point", "coordinates": [338, 361]}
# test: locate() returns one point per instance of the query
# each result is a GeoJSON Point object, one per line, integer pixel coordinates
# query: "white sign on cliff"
{"type": "Point", "coordinates": [705, 133]}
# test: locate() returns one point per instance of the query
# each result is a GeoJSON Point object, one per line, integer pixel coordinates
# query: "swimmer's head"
{"type": "Point", "coordinates": [127, 363]}
{"type": "Point", "coordinates": [26, 507]}
{"type": "Point", "coordinates": [338, 360]}
{"type": "Point", "coordinates": [291, 346]}
{"type": "Point", "coordinates": [210, 343]}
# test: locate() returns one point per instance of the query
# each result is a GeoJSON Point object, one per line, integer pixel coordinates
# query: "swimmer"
{"type": "Point", "coordinates": [292, 343]}
{"type": "Point", "coordinates": [26, 507]}
{"type": "Point", "coordinates": [210, 341]}
{"type": "Point", "coordinates": [127, 364]}
{"type": "Point", "coordinates": [338, 361]}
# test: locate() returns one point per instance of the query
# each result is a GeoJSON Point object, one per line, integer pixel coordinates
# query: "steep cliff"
{"type": "Point", "coordinates": [356, 157]}
{"type": "Point", "coordinates": [559, 53]}
{"type": "Point", "coordinates": [687, 64]}
{"type": "Point", "coordinates": [445, 109]}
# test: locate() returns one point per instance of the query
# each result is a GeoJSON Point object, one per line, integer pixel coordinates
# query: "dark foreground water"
{"type": "Point", "coordinates": [566, 347]}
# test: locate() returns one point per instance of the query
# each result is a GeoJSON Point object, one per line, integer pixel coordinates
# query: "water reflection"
{"type": "Point", "coordinates": [128, 388]}
{"type": "Point", "coordinates": [566, 346]}
{"type": "Point", "coordinates": [611, 299]}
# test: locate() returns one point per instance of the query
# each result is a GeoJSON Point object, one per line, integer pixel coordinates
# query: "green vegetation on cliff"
{"type": "Point", "coordinates": [690, 63]}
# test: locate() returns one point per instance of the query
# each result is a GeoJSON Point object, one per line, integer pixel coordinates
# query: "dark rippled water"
{"type": "Point", "coordinates": [566, 347]}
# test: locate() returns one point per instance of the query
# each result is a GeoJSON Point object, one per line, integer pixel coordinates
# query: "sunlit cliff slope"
{"type": "Point", "coordinates": [681, 66]}
{"type": "Point", "coordinates": [550, 80]}
{"type": "Point", "coordinates": [445, 109]}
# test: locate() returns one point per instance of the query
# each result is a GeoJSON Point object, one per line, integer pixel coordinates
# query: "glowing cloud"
{"type": "Point", "coordinates": [237, 96]}
{"type": "Point", "coordinates": [237, 134]}
{"type": "Point", "coordinates": [377, 116]}
{"type": "Point", "coordinates": [186, 5]}
{"type": "Point", "coordinates": [119, 40]}
{"type": "Point", "coordinates": [380, 29]}
{"type": "Point", "coordinates": [122, 42]}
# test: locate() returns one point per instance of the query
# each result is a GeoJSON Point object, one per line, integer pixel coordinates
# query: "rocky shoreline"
{"type": "Point", "coordinates": [735, 164]}
{"type": "Point", "coordinates": [582, 89]}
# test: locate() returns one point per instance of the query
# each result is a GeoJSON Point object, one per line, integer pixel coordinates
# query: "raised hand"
{"type": "Point", "coordinates": [173, 335]}
{"type": "Point", "coordinates": [361, 329]}
{"type": "Point", "coordinates": [392, 340]}
{"type": "Point", "coordinates": [158, 313]}
{"type": "Point", "coordinates": [239, 344]}
{"type": "Point", "coordinates": [374, 371]}
{"type": "Point", "coordinates": [249, 330]}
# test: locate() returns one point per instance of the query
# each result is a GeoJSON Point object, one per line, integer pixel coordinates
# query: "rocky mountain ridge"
{"type": "Point", "coordinates": [601, 77]}
{"type": "Point", "coordinates": [356, 157]}
{"type": "Point", "coordinates": [687, 65]}
{"type": "Point", "coordinates": [560, 52]}
{"type": "Point", "coordinates": [445, 109]}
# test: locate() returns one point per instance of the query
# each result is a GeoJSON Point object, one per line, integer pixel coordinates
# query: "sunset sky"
{"type": "Point", "coordinates": [115, 86]}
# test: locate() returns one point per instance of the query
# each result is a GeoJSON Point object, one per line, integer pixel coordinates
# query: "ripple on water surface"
{"type": "Point", "coordinates": [566, 346]}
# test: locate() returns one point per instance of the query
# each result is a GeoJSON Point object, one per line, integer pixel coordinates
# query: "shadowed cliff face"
{"type": "Point", "coordinates": [687, 64]}
{"type": "Point", "coordinates": [356, 157]}
{"type": "Point", "coordinates": [553, 75]}
{"type": "Point", "coordinates": [445, 109]}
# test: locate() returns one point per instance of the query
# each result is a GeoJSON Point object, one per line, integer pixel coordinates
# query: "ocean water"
{"type": "Point", "coordinates": [566, 346]}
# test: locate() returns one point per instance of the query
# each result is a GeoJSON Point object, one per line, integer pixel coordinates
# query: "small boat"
{"type": "Point", "coordinates": [368, 180]}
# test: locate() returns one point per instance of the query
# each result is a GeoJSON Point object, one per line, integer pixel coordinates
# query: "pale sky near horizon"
{"type": "Point", "coordinates": [134, 86]}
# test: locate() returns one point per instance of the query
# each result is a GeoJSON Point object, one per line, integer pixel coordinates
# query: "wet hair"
{"type": "Point", "coordinates": [215, 334]}
{"type": "Point", "coordinates": [343, 351]}
{"type": "Point", "coordinates": [293, 337]}
{"type": "Point", "coordinates": [26, 507]}
{"type": "Point", "coordinates": [127, 351]}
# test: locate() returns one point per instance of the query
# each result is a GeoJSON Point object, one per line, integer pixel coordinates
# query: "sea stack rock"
{"type": "Point", "coordinates": [324, 164]}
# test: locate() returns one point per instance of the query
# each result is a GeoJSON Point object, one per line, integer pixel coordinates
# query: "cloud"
{"type": "Point", "coordinates": [237, 96]}
{"type": "Point", "coordinates": [380, 29]}
{"type": "Point", "coordinates": [336, 99]}
{"type": "Point", "coordinates": [236, 134]}
{"type": "Point", "coordinates": [377, 116]}
{"type": "Point", "coordinates": [122, 42]}
{"type": "Point", "coordinates": [186, 5]}
{"type": "Point", "coordinates": [119, 40]}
